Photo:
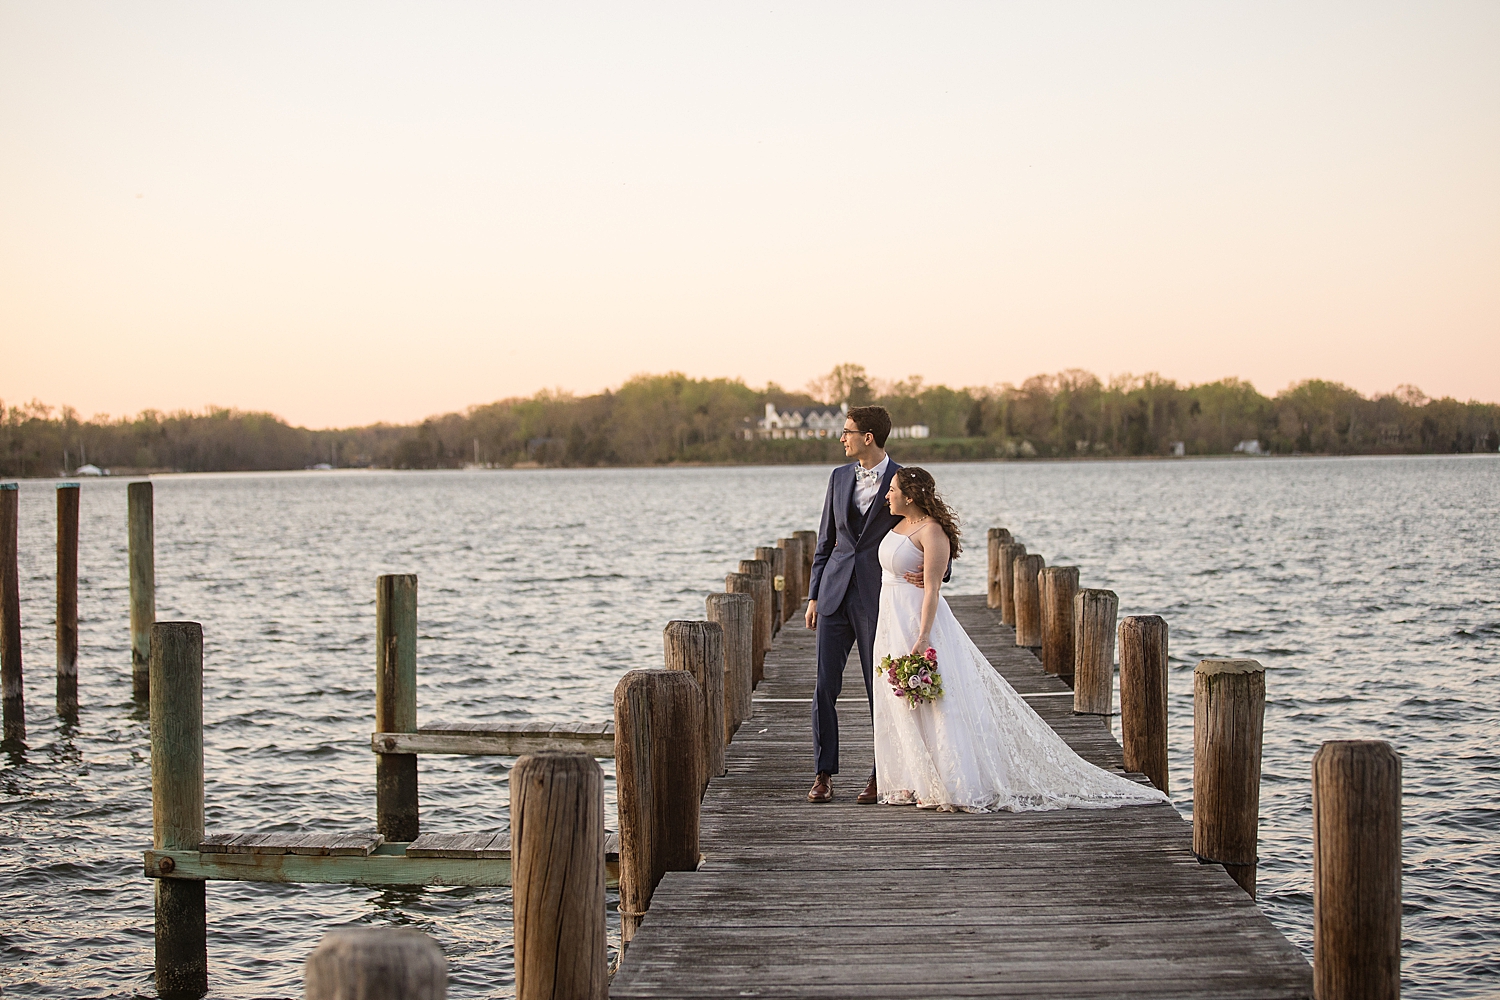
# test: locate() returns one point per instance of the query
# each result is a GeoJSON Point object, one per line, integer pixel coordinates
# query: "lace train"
{"type": "Point", "coordinates": [980, 747]}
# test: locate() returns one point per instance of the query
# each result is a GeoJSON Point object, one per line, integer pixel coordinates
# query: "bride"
{"type": "Point", "coordinates": [979, 747]}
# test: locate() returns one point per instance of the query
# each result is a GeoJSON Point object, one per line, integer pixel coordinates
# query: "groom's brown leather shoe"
{"type": "Point", "coordinates": [822, 789]}
{"type": "Point", "coordinates": [870, 795]}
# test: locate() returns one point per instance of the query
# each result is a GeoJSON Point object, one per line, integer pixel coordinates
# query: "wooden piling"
{"type": "Point", "coordinates": [809, 540]}
{"type": "Point", "coordinates": [176, 669]}
{"type": "Point", "coordinates": [1009, 553]}
{"type": "Point", "coordinates": [698, 648]}
{"type": "Point", "coordinates": [1356, 801]}
{"type": "Point", "coordinates": [745, 584]}
{"type": "Point", "coordinates": [795, 591]}
{"type": "Point", "coordinates": [659, 770]}
{"type": "Point", "coordinates": [141, 527]}
{"type": "Point", "coordinates": [1229, 702]}
{"type": "Point", "coordinates": [557, 875]}
{"type": "Point", "coordinates": [376, 963]}
{"type": "Point", "coordinates": [396, 814]}
{"type": "Point", "coordinates": [1143, 696]}
{"type": "Point", "coordinates": [804, 565]}
{"type": "Point", "coordinates": [735, 613]}
{"type": "Point", "coordinates": [12, 688]}
{"type": "Point", "coordinates": [67, 599]}
{"type": "Point", "coordinates": [759, 572]}
{"type": "Point", "coordinates": [777, 560]}
{"type": "Point", "coordinates": [1094, 613]}
{"type": "Point", "coordinates": [996, 538]}
{"type": "Point", "coordinates": [1058, 585]}
{"type": "Point", "coordinates": [1028, 599]}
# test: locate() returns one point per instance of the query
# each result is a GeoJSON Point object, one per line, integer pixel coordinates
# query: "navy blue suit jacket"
{"type": "Point", "coordinates": [840, 555]}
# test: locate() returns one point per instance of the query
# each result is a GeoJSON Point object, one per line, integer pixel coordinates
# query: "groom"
{"type": "Point", "coordinates": [844, 591]}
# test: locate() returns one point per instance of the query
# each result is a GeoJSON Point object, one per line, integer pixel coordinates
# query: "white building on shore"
{"type": "Point", "coordinates": [814, 422]}
{"type": "Point", "coordinates": [800, 422]}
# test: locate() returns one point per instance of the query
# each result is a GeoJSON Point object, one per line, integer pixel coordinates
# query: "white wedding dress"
{"type": "Point", "coordinates": [979, 747]}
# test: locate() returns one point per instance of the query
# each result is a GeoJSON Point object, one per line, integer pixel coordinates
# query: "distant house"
{"type": "Point", "coordinates": [800, 422]}
{"type": "Point", "coordinates": [88, 470]}
{"type": "Point", "coordinates": [814, 422]}
{"type": "Point", "coordinates": [1251, 447]}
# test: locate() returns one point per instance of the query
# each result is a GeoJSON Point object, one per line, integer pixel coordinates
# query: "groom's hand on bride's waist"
{"type": "Point", "coordinates": [915, 578]}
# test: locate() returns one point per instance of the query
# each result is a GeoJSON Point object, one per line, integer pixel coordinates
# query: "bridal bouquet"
{"type": "Point", "coordinates": [914, 677]}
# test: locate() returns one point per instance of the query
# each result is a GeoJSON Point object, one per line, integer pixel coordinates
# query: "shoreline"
{"type": "Point", "coordinates": [533, 467]}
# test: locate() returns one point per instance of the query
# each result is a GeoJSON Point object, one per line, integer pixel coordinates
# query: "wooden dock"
{"type": "Point", "coordinates": [841, 900]}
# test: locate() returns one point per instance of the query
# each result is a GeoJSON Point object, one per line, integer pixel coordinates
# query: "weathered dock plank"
{"type": "Point", "coordinates": [841, 900]}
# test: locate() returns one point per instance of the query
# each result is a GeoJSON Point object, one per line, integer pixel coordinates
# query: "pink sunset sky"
{"type": "Point", "coordinates": [345, 213]}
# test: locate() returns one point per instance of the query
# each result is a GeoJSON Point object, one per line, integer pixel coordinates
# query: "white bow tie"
{"type": "Point", "coordinates": [866, 477]}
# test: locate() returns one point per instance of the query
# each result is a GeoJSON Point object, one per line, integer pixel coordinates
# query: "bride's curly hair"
{"type": "Point", "coordinates": [918, 486]}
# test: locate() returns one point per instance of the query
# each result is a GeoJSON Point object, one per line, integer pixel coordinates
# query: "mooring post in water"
{"type": "Point", "coordinates": [776, 558]}
{"type": "Point", "coordinates": [376, 963]}
{"type": "Point", "coordinates": [795, 591]}
{"type": "Point", "coordinates": [141, 522]}
{"type": "Point", "coordinates": [996, 538]}
{"type": "Point", "coordinates": [809, 540]}
{"type": "Point", "coordinates": [1009, 553]}
{"type": "Point", "coordinates": [557, 877]}
{"type": "Point", "coordinates": [1356, 801]}
{"type": "Point", "coordinates": [1058, 586]}
{"type": "Point", "coordinates": [177, 804]}
{"type": "Point", "coordinates": [12, 690]}
{"type": "Point", "coordinates": [1094, 613]}
{"type": "Point", "coordinates": [67, 599]}
{"type": "Point", "coordinates": [735, 614]}
{"type": "Point", "coordinates": [1143, 696]}
{"type": "Point", "coordinates": [659, 770]}
{"type": "Point", "coordinates": [698, 648]}
{"type": "Point", "coordinates": [1229, 705]}
{"type": "Point", "coordinates": [1028, 599]}
{"type": "Point", "coordinates": [759, 572]}
{"type": "Point", "coordinates": [396, 704]}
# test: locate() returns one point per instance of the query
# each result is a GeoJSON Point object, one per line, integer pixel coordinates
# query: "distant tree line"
{"type": "Point", "coordinates": [660, 419]}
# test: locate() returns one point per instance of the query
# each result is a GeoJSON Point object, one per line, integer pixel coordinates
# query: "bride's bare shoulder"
{"type": "Point", "coordinates": [928, 534]}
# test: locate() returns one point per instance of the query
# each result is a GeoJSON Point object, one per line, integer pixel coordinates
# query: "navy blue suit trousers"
{"type": "Point", "coordinates": [851, 624]}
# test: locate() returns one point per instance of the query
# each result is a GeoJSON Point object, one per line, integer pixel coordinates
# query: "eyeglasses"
{"type": "Point", "coordinates": [857, 433]}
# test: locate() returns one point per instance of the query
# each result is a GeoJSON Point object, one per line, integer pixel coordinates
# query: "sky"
{"type": "Point", "coordinates": [345, 213]}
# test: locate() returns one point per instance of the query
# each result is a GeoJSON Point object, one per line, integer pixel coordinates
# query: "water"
{"type": "Point", "coordinates": [1366, 586]}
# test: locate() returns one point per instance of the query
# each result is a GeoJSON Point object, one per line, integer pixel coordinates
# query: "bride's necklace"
{"type": "Point", "coordinates": [924, 520]}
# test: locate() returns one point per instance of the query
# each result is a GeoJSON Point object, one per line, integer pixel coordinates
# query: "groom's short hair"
{"type": "Point", "coordinates": [874, 420]}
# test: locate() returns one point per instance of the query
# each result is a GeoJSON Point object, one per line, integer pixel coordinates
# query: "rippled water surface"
{"type": "Point", "coordinates": [1370, 589]}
